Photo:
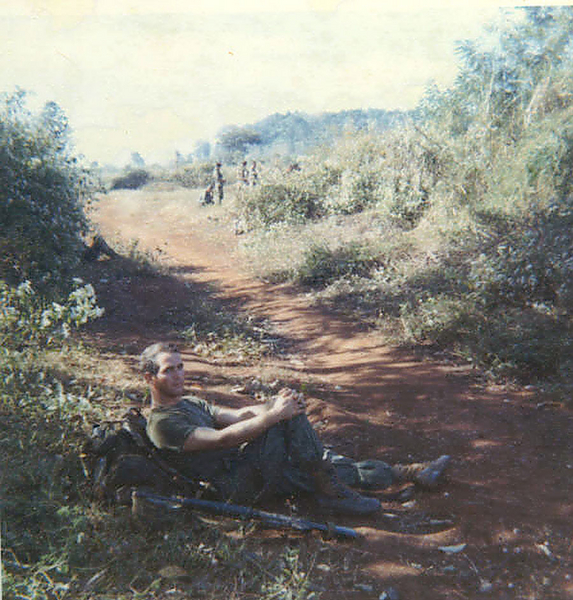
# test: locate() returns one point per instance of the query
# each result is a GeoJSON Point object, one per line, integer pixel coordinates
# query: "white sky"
{"type": "Point", "coordinates": [154, 76]}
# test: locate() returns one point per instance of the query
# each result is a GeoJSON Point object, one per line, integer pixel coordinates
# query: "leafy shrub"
{"type": "Point", "coordinates": [132, 180]}
{"type": "Point", "coordinates": [197, 175]}
{"type": "Point", "coordinates": [27, 319]}
{"type": "Point", "coordinates": [267, 204]}
{"type": "Point", "coordinates": [322, 265]}
{"type": "Point", "coordinates": [42, 197]}
{"type": "Point", "coordinates": [528, 260]}
{"type": "Point", "coordinates": [355, 192]}
{"type": "Point", "coordinates": [511, 311]}
{"type": "Point", "coordinates": [528, 344]}
{"type": "Point", "coordinates": [440, 319]}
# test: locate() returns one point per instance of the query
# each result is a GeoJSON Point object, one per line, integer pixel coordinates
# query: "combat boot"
{"type": "Point", "coordinates": [426, 474]}
{"type": "Point", "coordinates": [332, 495]}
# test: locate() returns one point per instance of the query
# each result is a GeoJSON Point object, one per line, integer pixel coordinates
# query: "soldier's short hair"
{"type": "Point", "coordinates": [148, 358]}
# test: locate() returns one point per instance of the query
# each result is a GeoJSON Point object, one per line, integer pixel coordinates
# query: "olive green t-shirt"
{"type": "Point", "coordinates": [168, 427]}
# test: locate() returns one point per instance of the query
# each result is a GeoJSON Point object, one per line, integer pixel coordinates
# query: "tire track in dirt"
{"type": "Point", "coordinates": [378, 401]}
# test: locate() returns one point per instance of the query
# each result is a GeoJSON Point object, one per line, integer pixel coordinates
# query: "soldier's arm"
{"type": "Point", "coordinates": [205, 438]}
{"type": "Point", "coordinates": [225, 416]}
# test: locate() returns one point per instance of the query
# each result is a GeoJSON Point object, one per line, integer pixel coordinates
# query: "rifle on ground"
{"type": "Point", "coordinates": [246, 513]}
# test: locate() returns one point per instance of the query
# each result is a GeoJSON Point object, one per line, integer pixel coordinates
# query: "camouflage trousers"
{"type": "Point", "coordinates": [280, 462]}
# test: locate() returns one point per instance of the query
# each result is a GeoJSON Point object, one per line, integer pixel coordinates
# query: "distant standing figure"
{"type": "Point", "coordinates": [219, 181]}
{"type": "Point", "coordinates": [254, 174]}
{"type": "Point", "coordinates": [244, 173]}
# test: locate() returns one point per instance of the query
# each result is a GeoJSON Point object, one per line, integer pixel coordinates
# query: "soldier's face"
{"type": "Point", "coordinates": [170, 378]}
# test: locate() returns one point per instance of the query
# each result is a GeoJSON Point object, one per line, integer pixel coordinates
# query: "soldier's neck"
{"type": "Point", "coordinates": [158, 401]}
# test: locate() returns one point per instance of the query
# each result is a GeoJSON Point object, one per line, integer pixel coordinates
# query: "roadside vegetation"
{"type": "Point", "coordinates": [452, 230]}
{"type": "Point", "coordinates": [57, 541]}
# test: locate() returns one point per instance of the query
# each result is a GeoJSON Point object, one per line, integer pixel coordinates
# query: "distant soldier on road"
{"type": "Point", "coordinates": [292, 168]}
{"type": "Point", "coordinates": [254, 174]}
{"type": "Point", "coordinates": [243, 173]}
{"type": "Point", "coordinates": [208, 196]}
{"type": "Point", "coordinates": [219, 181]}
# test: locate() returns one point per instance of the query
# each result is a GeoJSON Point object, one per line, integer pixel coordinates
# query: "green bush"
{"type": "Point", "coordinates": [357, 191]}
{"type": "Point", "coordinates": [28, 319]}
{"type": "Point", "coordinates": [42, 196]}
{"type": "Point", "coordinates": [527, 261]}
{"type": "Point", "coordinates": [271, 203]}
{"type": "Point", "coordinates": [197, 175]}
{"type": "Point", "coordinates": [440, 319]}
{"type": "Point", "coordinates": [322, 265]}
{"type": "Point", "coordinates": [132, 180]}
{"type": "Point", "coordinates": [527, 344]}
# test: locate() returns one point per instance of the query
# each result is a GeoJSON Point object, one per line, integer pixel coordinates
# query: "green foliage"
{"type": "Point", "coordinates": [503, 78]}
{"type": "Point", "coordinates": [393, 173]}
{"type": "Point", "coordinates": [504, 148]}
{"type": "Point", "coordinates": [528, 262]}
{"type": "Point", "coordinates": [347, 179]}
{"type": "Point", "coordinates": [27, 319]}
{"type": "Point", "coordinates": [132, 180]}
{"type": "Point", "coordinates": [322, 265]}
{"type": "Point", "coordinates": [197, 175]}
{"type": "Point", "coordinates": [42, 196]}
{"type": "Point", "coordinates": [271, 203]}
{"type": "Point", "coordinates": [529, 344]}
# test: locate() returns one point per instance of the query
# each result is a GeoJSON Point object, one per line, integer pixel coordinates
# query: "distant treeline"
{"type": "Point", "coordinates": [291, 134]}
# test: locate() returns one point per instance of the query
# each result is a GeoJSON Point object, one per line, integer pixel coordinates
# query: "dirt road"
{"type": "Point", "coordinates": [508, 494]}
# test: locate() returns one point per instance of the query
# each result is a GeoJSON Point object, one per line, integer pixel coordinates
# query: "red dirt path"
{"type": "Point", "coordinates": [509, 489]}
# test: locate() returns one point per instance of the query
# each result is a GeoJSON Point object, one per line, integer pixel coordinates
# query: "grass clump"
{"type": "Point", "coordinates": [283, 202]}
{"type": "Point", "coordinates": [322, 265]}
{"type": "Point", "coordinates": [224, 335]}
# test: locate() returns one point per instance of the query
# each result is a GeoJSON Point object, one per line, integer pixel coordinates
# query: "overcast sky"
{"type": "Point", "coordinates": [154, 76]}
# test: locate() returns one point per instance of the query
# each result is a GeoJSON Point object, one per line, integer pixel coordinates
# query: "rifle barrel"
{"type": "Point", "coordinates": [273, 520]}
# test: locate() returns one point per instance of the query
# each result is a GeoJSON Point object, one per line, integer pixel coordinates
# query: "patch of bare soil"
{"type": "Point", "coordinates": [499, 527]}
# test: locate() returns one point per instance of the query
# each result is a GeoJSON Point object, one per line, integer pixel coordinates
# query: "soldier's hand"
{"type": "Point", "coordinates": [289, 403]}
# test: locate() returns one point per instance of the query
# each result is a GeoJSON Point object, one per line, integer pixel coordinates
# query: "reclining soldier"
{"type": "Point", "coordinates": [260, 451]}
